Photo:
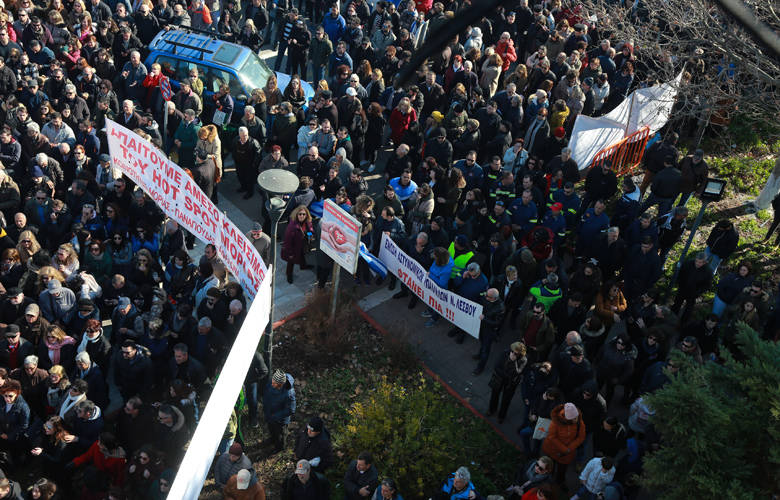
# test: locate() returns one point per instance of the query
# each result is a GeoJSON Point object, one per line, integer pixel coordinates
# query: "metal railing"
{"type": "Point", "coordinates": [626, 154]}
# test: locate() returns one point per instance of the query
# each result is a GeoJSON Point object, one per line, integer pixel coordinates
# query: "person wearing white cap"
{"type": "Point", "coordinates": [565, 435]}
{"type": "Point", "coordinates": [244, 486]}
{"type": "Point", "coordinates": [305, 483]}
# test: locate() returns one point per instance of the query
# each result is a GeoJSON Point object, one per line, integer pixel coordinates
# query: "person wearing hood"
{"type": "Point", "coordinates": [90, 372]}
{"type": "Point", "coordinates": [57, 303]}
{"type": "Point", "coordinates": [474, 40]}
{"type": "Point", "coordinates": [86, 427]}
{"type": "Point", "coordinates": [565, 435]}
{"type": "Point", "coordinates": [244, 485]}
{"type": "Point", "coordinates": [229, 464]}
{"type": "Point", "coordinates": [314, 445]}
{"type": "Point", "coordinates": [278, 408]}
{"type": "Point", "coordinates": [171, 432]}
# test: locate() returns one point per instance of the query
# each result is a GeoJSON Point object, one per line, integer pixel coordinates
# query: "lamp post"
{"type": "Point", "coordinates": [276, 183]}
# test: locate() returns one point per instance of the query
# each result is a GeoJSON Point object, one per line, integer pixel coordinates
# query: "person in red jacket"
{"type": "Point", "coordinates": [152, 83]}
{"type": "Point", "coordinates": [402, 117]}
{"type": "Point", "coordinates": [506, 49]}
{"type": "Point", "coordinates": [108, 462]}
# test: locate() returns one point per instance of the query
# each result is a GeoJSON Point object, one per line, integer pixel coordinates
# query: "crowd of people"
{"type": "Point", "coordinates": [481, 189]}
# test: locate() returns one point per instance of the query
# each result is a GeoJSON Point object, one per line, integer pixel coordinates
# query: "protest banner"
{"type": "Point", "coordinates": [340, 234]}
{"type": "Point", "coordinates": [177, 194]}
{"type": "Point", "coordinates": [461, 312]}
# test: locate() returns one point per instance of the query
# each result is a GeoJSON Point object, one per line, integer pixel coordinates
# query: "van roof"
{"type": "Point", "coordinates": [200, 47]}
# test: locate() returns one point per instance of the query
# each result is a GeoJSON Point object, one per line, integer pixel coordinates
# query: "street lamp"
{"type": "Point", "coordinates": [713, 191]}
{"type": "Point", "coordinates": [276, 183]}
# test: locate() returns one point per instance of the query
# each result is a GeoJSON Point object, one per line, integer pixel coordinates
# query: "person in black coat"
{"type": "Point", "coordinates": [14, 419]}
{"type": "Point", "coordinates": [95, 343]}
{"type": "Point", "coordinates": [510, 291]}
{"type": "Point", "coordinates": [721, 243]}
{"type": "Point", "coordinates": [87, 427]}
{"type": "Point", "coordinates": [14, 349]}
{"type": "Point", "coordinates": [90, 372]}
{"type": "Point", "coordinates": [567, 315]}
{"type": "Point", "coordinates": [573, 369]}
{"type": "Point", "coordinates": [507, 375]}
{"type": "Point", "coordinates": [204, 172]}
{"type": "Point", "coordinates": [644, 271]}
{"type": "Point", "coordinates": [361, 477]}
{"type": "Point", "coordinates": [13, 305]}
{"type": "Point", "coordinates": [305, 483]}
{"type": "Point", "coordinates": [665, 188]}
{"type": "Point", "coordinates": [609, 438]}
{"type": "Point", "coordinates": [600, 184]}
{"type": "Point", "coordinates": [254, 384]}
{"type": "Point", "coordinates": [186, 368]}
{"type": "Point", "coordinates": [133, 374]}
{"type": "Point", "coordinates": [694, 278]}
{"type": "Point", "coordinates": [313, 444]}
{"type": "Point", "coordinates": [133, 423]}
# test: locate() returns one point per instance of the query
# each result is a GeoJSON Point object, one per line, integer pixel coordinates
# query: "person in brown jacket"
{"type": "Point", "coordinates": [243, 486]}
{"type": "Point", "coordinates": [566, 434]}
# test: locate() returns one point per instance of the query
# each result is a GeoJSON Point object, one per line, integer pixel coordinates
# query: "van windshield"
{"type": "Point", "coordinates": [254, 73]}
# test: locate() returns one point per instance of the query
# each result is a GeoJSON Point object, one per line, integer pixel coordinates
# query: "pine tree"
{"type": "Point", "coordinates": [720, 427]}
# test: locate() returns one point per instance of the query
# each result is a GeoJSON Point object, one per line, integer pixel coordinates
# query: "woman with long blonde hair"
{"type": "Point", "coordinates": [66, 260]}
{"type": "Point", "coordinates": [28, 246]}
{"type": "Point", "coordinates": [297, 237]}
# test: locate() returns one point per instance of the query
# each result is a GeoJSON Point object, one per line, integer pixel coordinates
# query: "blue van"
{"type": "Point", "coordinates": [177, 51]}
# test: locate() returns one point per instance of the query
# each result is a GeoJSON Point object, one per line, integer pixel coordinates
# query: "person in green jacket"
{"type": "Point", "coordinates": [547, 291]}
{"type": "Point", "coordinates": [186, 137]}
{"type": "Point", "coordinates": [319, 52]}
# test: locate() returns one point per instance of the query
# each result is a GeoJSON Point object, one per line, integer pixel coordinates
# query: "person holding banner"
{"type": "Point", "coordinates": [491, 319]}
{"type": "Point", "coordinates": [471, 285]}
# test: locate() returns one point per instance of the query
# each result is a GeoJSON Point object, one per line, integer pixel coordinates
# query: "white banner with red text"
{"type": "Point", "coordinates": [177, 194]}
{"type": "Point", "coordinates": [461, 312]}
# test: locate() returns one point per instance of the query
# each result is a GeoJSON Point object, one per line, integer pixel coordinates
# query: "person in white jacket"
{"type": "Point", "coordinates": [305, 136]}
{"type": "Point", "coordinates": [595, 477]}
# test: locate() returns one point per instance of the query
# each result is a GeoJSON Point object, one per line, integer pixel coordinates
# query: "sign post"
{"type": "Point", "coordinates": [167, 95]}
{"type": "Point", "coordinates": [340, 240]}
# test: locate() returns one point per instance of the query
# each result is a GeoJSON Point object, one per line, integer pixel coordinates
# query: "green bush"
{"type": "Point", "coordinates": [418, 435]}
{"type": "Point", "coordinates": [720, 427]}
{"type": "Point", "coordinates": [745, 174]}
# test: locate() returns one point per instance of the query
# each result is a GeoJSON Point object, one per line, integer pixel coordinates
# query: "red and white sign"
{"type": "Point", "coordinates": [183, 201]}
{"type": "Point", "coordinates": [340, 236]}
{"type": "Point", "coordinates": [165, 88]}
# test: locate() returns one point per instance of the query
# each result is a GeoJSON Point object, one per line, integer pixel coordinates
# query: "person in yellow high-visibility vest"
{"type": "Point", "coordinates": [461, 254]}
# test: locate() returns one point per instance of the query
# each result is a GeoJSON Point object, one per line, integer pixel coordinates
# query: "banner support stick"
{"type": "Point", "coordinates": [334, 298]}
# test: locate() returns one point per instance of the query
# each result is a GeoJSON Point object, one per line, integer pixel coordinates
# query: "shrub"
{"type": "Point", "coordinates": [418, 435]}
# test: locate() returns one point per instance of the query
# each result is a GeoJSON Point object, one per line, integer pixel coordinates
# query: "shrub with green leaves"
{"type": "Point", "coordinates": [418, 435]}
{"type": "Point", "coordinates": [720, 427]}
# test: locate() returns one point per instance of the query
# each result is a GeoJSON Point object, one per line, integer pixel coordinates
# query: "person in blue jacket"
{"type": "Point", "coordinates": [459, 486]}
{"type": "Point", "coordinates": [278, 407]}
{"type": "Point", "coordinates": [439, 273]}
{"type": "Point", "coordinates": [593, 222]}
{"type": "Point", "coordinates": [334, 24]}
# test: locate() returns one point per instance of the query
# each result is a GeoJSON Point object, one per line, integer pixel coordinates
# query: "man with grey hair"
{"type": "Point", "coordinates": [78, 106]}
{"type": "Point", "coordinates": [254, 125]}
{"type": "Point", "coordinates": [470, 285]}
{"type": "Point", "coordinates": [419, 249]}
{"type": "Point", "coordinates": [459, 485]}
{"type": "Point", "coordinates": [305, 483]}
{"type": "Point", "coordinates": [33, 382]}
{"type": "Point", "coordinates": [247, 155]}
{"type": "Point", "coordinates": [50, 167]}
{"type": "Point", "coordinates": [129, 117]}
{"type": "Point", "coordinates": [133, 74]}
{"type": "Point", "coordinates": [566, 163]}
{"type": "Point", "coordinates": [208, 345]}
{"type": "Point", "coordinates": [490, 325]}
{"type": "Point", "coordinates": [186, 368]}
{"type": "Point", "coordinates": [90, 372]}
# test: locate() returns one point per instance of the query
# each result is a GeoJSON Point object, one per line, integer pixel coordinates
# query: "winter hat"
{"type": "Point", "coordinates": [36, 171]}
{"type": "Point", "coordinates": [11, 330]}
{"type": "Point", "coordinates": [437, 116]}
{"type": "Point", "coordinates": [316, 424]}
{"type": "Point", "coordinates": [559, 132]}
{"type": "Point", "coordinates": [552, 280]}
{"type": "Point", "coordinates": [461, 240]}
{"type": "Point", "coordinates": [279, 377]}
{"type": "Point", "coordinates": [236, 449]}
{"type": "Point", "coordinates": [123, 302]}
{"type": "Point", "coordinates": [33, 309]}
{"type": "Point", "coordinates": [242, 479]}
{"type": "Point", "coordinates": [570, 411]}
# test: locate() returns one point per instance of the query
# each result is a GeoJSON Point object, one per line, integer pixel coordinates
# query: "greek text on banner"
{"type": "Point", "coordinates": [461, 312]}
{"type": "Point", "coordinates": [177, 194]}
